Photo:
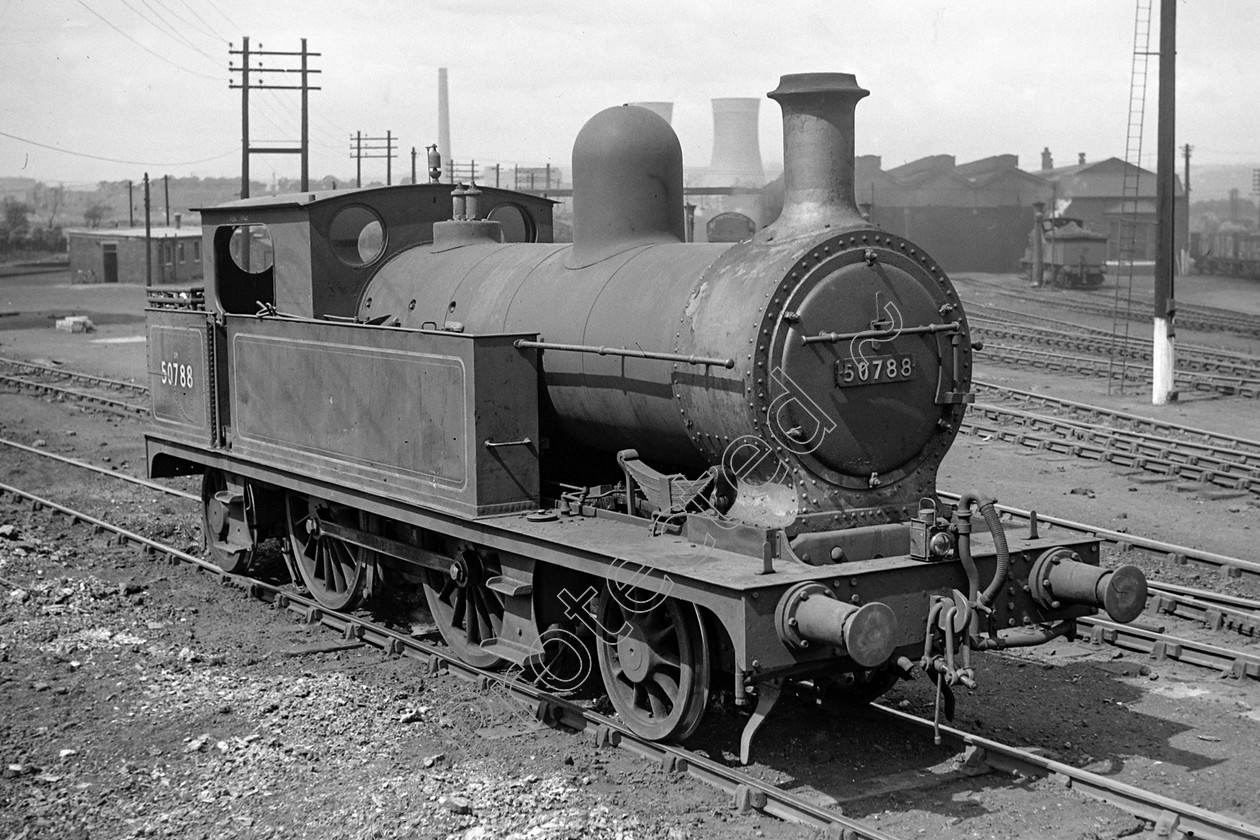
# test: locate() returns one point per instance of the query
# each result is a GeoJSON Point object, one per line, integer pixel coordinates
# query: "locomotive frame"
{"type": "Point", "coordinates": [735, 482]}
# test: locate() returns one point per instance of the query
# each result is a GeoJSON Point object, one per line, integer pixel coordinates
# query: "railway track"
{"type": "Point", "coordinates": [746, 792]}
{"type": "Point", "coordinates": [103, 394]}
{"type": "Point", "coordinates": [1225, 368]}
{"type": "Point", "coordinates": [1216, 441]}
{"type": "Point", "coordinates": [1160, 455]}
{"type": "Point", "coordinates": [1212, 609]}
{"type": "Point", "coordinates": [1168, 817]}
{"type": "Point", "coordinates": [1104, 368]}
{"type": "Point", "coordinates": [76, 376]}
{"type": "Point", "coordinates": [1189, 316]}
{"type": "Point", "coordinates": [143, 482]}
{"type": "Point", "coordinates": [982, 312]}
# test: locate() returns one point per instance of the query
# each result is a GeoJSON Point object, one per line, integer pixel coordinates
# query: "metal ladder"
{"type": "Point", "coordinates": [1132, 175]}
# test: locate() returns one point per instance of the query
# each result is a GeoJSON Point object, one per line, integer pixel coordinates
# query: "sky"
{"type": "Point", "coordinates": [144, 83]}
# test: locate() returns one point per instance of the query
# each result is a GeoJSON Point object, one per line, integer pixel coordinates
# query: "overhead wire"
{"type": "Point", "coordinates": [215, 6]}
{"type": "Point", "coordinates": [142, 46]}
{"type": "Point", "coordinates": [31, 142]}
{"type": "Point", "coordinates": [205, 27]}
{"type": "Point", "coordinates": [169, 27]}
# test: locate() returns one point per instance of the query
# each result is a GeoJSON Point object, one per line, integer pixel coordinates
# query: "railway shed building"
{"type": "Point", "coordinates": [102, 255]}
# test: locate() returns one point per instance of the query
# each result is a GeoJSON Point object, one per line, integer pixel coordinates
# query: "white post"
{"type": "Point", "coordinates": [1164, 357]}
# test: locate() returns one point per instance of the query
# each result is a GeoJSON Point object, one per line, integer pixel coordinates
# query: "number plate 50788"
{"type": "Point", "coordinates": [874, 370]}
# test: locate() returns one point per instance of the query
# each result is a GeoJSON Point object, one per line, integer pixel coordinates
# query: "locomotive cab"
{"type": "Point", "coordinates": [311, 254]}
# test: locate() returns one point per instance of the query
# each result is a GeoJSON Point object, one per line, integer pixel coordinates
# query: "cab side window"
{"type": "Point", "coordinates": [244, 268]}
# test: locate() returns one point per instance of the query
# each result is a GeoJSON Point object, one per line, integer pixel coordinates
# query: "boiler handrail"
{"type": "Point", "coordinates": [624, 351]}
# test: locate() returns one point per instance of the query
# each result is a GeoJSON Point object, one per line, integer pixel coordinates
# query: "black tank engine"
{"type": "Point", "coordinates": [683, 467]}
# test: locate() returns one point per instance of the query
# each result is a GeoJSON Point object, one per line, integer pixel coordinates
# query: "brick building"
{"type": "Point", "coordinates": [101, 255]}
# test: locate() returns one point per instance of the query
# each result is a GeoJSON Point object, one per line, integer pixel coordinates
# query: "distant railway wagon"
{"type": "Point", "coordinates": [1073, 256]}
{"type": "Point", "coordinates": [1230, 253]}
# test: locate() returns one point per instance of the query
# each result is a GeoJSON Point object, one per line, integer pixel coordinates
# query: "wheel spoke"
{"type": "Point", "coordinates": [478, 627]}
{"type": "Point", "coordinates": [461, 606]}
{"type": "Point", "coordinates": [336, 551]}
{"type": "Point", "coordinates": [665, 685]}
{"type": "Point", "coordinates": [640, 695]}
{"type": "Point", "coordinates": [472, 618]}
{"type": "Point", "coordinates": [657, 701]}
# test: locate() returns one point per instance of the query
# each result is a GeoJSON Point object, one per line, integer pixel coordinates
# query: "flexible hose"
{"type": "Point", "coordinates": [988, 509]}
{"type": "Point", "coordinates": [1026, 639]}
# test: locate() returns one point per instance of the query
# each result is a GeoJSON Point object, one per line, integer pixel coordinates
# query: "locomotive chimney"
{"type": "Point", "coordinates": [818, 174]}
{"type": "Point", "coordinates": [1047, 161]}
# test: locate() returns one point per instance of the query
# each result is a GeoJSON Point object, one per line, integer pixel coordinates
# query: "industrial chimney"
{"type": "Point", "coordinates": [444, 117]}
{"type": "Point", "coordinates": [1047, 162]}
{"type": "Point", "coordinates": [736, 148]}
{"type": "Point", "coordinates": [665, 110]}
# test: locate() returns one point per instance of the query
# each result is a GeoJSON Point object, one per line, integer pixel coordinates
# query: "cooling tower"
{"type": "Point", "coordinates": [665, 110]}
{"type": "Point", "coordinates": [736, 149]}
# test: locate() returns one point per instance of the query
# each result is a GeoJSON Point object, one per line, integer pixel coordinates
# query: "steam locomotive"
{"type": "Point", "coordinates": [1071, 255]}
{"type": "Point", "coordinates": [678, 468]}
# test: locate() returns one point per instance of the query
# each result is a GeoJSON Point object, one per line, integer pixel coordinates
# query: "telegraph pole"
{"type": "Point", "coordinates": [244, 112]}
{"type": "Point", "coordinates": [246, 85]}
{"type": "Point", "coordinates": [413, 164]}
{"type": "Point", "coordinates": [306, 139]}
{"type": "Point", "coordinates": [131, 206]}
{"type": "Point", "coordinates": [370, 147]}
{"type": "Point", "coordinates": [166, 197]}
{"type": "Point", "coordinates": [148, 241]}
{"type": "Point", "coordinates": [1164, 350]}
